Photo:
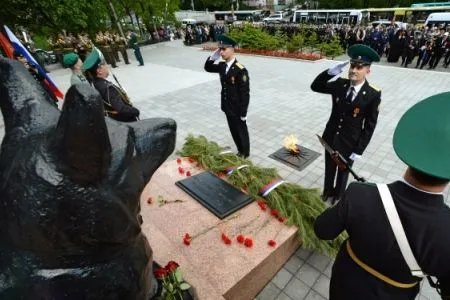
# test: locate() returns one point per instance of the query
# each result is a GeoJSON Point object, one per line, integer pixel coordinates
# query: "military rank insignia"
{"type": "Point", "coordinates": [356, 112]}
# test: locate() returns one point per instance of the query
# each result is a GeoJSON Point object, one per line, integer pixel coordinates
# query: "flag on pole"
{"type": "Point", "coordinates": [6, 46]}
{"type": "Point", "coordinates": [22, 50]}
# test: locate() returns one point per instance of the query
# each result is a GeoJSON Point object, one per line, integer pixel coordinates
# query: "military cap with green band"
{"type": "Point", "coordinates": [422, 136]}
{"type": "Point", "coordinates": [92, 60]}
{"type": "Point", "coordinates": [362, 54]}
{"type": "Point", "coordinates": [226, 42]}
{"type": "Point", "coordinates": [70, 59]}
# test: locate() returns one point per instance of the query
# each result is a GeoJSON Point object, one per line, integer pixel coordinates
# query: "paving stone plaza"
{"type": "Point", "coordinates": [173, 84]}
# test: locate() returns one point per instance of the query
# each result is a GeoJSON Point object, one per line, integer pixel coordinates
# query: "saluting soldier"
{"type": "Point", "coordinates": [116, 102]}
{"type": "Point", "coordinates": [235, 95]}
{"type": "Point", "coordinates": [353, 117]}
{"type": "Point", "coordinates": [73, 61]}
{"type": "Point", "coordinates": [374, 263]}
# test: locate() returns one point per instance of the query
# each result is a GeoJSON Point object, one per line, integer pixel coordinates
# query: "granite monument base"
{"type": "Point", "coordinates": [214, 269]}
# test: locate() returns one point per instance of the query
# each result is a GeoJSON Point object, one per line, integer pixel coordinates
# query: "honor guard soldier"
{"type": "Point", "coordinates": [116, 102]}
{"type": "Point", "coordinates": [235, 95]}
{"type": "Point", "coordinates": [134, 45]}
{"type": "Point", "coordinates": [73, 61]}
{"type": "Point", "coordinates": [398, 232]}
{"type": "Point", "coordinates": [353, 117]}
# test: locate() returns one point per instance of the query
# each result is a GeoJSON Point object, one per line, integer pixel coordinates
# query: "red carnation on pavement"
{"type": "Point", "coordinates": [191, 160]}
{"type": "Point", "coordinates": [171, 266]}
{"type": "Point", "coordinates": [272, 243]}
{"type": "Point", "coordinates": [274, 212]}
{"type": "Point", "coordinates": [262, 204]}
{"type": "Point", "coordinates": [282, 219]}
{"type": "Point", "coordinates": [226, 239]}
{"type": "Point", "coordinates": [240, 238]}
{"type": "Point", "coordinates": [180, 170]}
{"type": "Point", "coordinates": [149, 200]}
{"type": "Point", "coordinates": [160, 273]}
{"type": "Point", "coordinates": [188, 173]}
{"type": "Point", "coordinates": [178, 160]}
{"type": "Point", "coordinates": [248, 242]}
{"type": "Point", "coordinates": [187, 239]}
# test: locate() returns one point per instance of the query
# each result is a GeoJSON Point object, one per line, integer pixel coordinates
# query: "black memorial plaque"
{"type": "Point", "coordinates": [296, 161]}
{"type": "Point", "coordinates": [217, 195]}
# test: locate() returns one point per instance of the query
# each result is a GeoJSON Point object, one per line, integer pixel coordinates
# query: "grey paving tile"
{"type": "Point", "coordinates": [303, 253]}
{"type": "Point", "coordinates": [313, 295]}
{"type": "Point", "coordinates": [308, 274]}
{"type": "Point", "coordinates": [270, 292]}
{"type": "Point", "coordinates": [282, 278]}
{"type": "Point", "coordinates": [319, 261]}
{"type": "Point", "coordinates": [296, 289]}
{"type": "Point", "coordinates": [293, 264]}
{"type": "Point", "coordinates": [283, 296]}
{"type": "Point", "coordinates": [322, 286]}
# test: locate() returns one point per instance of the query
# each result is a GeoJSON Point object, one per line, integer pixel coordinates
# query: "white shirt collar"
{"type": "Point", "coordinates": [409, 184]}
{"type": "Point", "coordinates": [357, 87]}
{"type": "Point", "coordinates": [229, 63]}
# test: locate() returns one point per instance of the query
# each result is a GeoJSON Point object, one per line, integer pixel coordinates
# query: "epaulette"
{"type": "Point", "coordinates": [375, 87]}
{"type": "Point", "coordinates": [240, 66]}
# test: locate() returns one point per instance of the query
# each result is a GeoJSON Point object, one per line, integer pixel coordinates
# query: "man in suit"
{"type": "Point", "coordinates": [370, 264]}
{"type": "Point", "coordinates": [235, 95]}
{"type": "Point", "coordinates": [353, 117]}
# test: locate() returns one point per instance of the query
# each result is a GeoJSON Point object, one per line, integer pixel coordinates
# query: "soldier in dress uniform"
{"type": "Point", "coordinates": [121, 43]}
{"type": "Point", "coordinates": [73, 61]}
{"type": "Point", "coordinates": [235, 95]}
{"type": "Point", "coordinates": [104, 45]}
{"type": "Point", "coordinates": [116, 102]}
{"type": "Point", "coordinates": [132, 41]}
{"type": "Point", "coordinates": [353, 117]}
{"type": "Point", "coordinates": [370, 264]}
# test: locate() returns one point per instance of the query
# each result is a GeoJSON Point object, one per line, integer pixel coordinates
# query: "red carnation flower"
{"type": "Point", "coordinates": [262, 204]}
{"type": "Point", "coordinates": [180, 170]}
{"type": "Point", "coordinates": [282, 219]}
{"type": "Point", "coordinates": [226, 239]}
{"type": "Point", "coordinates": [272, 243]}
{"type": "Point", "coordinates": [178, 160]}
{"type": "Point", "coordinates": [160, 273]}
{"type": "Point", "coordinates": [149, 200]}
{"type": "Point", "coordinates": [188, 173]}
{"type": "Point", "coordinates": [171, 266]}
{"type": "Point", "coordinates": [187, 242]}
{"type": "Point", "coordinates": [240, 238]}
{"type": "Point", "coordinates": [248, 242]}
{"type": "Point", "coordinates": [191, 160]}
{"type": "Point", "coordinates": [274, 212]}
{"type": "Point", "coordinates": [187, 236]}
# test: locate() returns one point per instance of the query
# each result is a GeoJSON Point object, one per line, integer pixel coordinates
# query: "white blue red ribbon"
{"type": "Point", "coordinates": [265, 190]}
{"type": "Point", "coordinates": [230, 170]}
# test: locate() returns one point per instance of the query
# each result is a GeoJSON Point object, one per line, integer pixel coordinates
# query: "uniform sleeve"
{"type": "Point", "coordinates": [118, 105]}
{"type": "Point", "coordinates": [211, 67]}
{"type": "Point", "coordinates": [321, 83]}
{"type": "Point", "coordinates": [333, 221]}
{"type": "Point", "coordinates": [244, 92]}
{"type": "Point", "coordinates": [444, 286]}
{"type": "Point", "coordinates": [370, 123]}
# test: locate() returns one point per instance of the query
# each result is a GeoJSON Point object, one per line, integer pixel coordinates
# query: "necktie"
{"type": "Point", "coordinates": [349, 98]}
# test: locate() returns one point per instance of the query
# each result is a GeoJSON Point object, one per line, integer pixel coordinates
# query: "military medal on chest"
{"type": "Point", "coordinates": [356, 112]}
{"type": "Point", "coordinates": [232, 79]}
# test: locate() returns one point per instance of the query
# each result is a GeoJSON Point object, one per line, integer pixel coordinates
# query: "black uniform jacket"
{"type": "Point", "coordinates": [235, 95]}
{"type": "Point", "coordinates": [113, 101]}
{"type": "Point", "coordinates": [350, 126]}
{"type": "Point", "coordinates": [426, 221]}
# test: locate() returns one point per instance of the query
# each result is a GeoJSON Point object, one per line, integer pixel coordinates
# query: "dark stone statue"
{"type": "Point", "coordinates": [70, 182]}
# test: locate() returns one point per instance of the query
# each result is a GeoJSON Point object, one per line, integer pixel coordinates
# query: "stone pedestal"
{"type": "Point", "coordinates": [214, 269]}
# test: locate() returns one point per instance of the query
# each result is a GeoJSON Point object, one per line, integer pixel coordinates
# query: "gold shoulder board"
{"type": "Point", "coordinates": [375, 87]}
{"type": "Point", "coordinates": [240, 66]}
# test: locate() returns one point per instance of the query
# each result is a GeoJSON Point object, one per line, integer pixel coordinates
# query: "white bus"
{"type": "Point", "coordinates": [438, 19]}
{"type": "Point", "coordinates": [329, 16]}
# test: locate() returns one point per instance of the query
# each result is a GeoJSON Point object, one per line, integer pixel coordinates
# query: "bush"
{"type": "Point", "coordinates": [255, 38]}
{"type": "Point", "coordinates": [296, 43]}
{"type": "Point", "coordinates": [333, 48]}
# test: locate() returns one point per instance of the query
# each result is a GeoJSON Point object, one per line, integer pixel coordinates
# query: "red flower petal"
{"type": "Point", "coordinates": [262, 204]}
{"type": "Point", "coordinates": [188, 173]}
{"type": "Point", "coordinates": [240, 238]}
{"type": "Point", "coordinates": [187, 236]}
{"type": "Point", "coordinates": [180, 170]}
{"type": "Point", "coordinates": [227, 241]}
{"type": "Point", "coordinates": [282, 219]}
{"type": "Point", "coordinates": [272, 243]}
{"type": "Point", "coordinates": [187, 242]}
{"type": "Point", "coordinates": [160, 273]}
{"type": "Point", "coordinates": [248, 242]}
{"type": "Point", "coordinates": [149, 200]}
{"type": "Point", "coordinates": [178, 160]}
{"type": "Point", "coordinates": [274, 212]}
{"type": "Point", "coordinates": [191, 160]}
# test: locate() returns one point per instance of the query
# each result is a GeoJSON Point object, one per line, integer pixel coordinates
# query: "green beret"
{"type": "Point", "coordinates": [226, 42]}
{"type": "Point", "coordinates": [70, 59]}
{"type": "Point", "coordinates": [422, 136]}
{"type": "Point", "coordinates": [362, 54]}
{"type": "Point", "coordinates": [92, 60]}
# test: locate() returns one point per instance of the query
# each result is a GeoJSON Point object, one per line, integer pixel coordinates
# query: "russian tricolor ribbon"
{"type": "Point", "coordinates": [230, 170]}
{"type": "Point", "coordinates": [265, 190]}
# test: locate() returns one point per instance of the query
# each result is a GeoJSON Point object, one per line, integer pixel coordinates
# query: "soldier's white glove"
{"type": "Point", "coordinates": [216, 55]}
{"type": "Point", "coordinates": [337, 69]}
{"type": "Point", "coordinates": [244, 118]}
{"type": "Point", "coordinates": [355, 156]}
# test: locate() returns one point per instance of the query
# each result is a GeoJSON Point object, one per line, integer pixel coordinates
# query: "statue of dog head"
{"type": "Point", "coordinates": [70, 184]}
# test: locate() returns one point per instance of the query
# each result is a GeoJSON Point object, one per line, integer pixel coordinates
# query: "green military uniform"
{"type": "Point", "coordinates": [134, 45]}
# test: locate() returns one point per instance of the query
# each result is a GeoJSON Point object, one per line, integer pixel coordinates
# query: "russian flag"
{"type": "Point", "coordinates": [19, 47]}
